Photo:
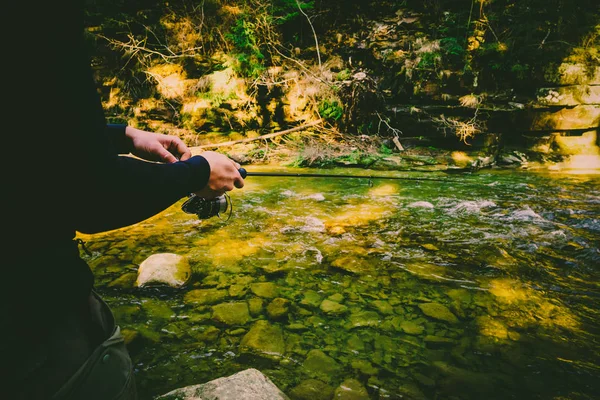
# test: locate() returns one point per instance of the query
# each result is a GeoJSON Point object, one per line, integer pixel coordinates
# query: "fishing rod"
{"type": "Point", "coordinates": [222, 205]}
{"type": "Point", "coordinates": [245, 173]}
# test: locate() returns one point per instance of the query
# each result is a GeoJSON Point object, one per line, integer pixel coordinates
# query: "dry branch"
{"type": "Point", "coordinates": [267, 136]}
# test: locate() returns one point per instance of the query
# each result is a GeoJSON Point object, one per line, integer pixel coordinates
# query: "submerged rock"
{"type": "Point", "coordinates": [312, 389]}
{"type": "Point", "coordinates": [205, 296]}
{"type": "Point", "coordinates": [249, 384]}
{"type": "Point", "coordinates": [164, 268]}
{"type": "Point", "coordinates": [278, 308]}
{"type": "Point", "coordinates": [267, 290]}
{"type": "Point", "coordinates": [231, 313]}
{"type": "Point", "coordinates": [319, 365]}
{"type": "Point", "coordinates": [333, 308]}
{"type": "Point", "coordinates": [351, 389]}
{"type": "Point", "coordinates": [264, 339]}
{"type": "Point", "coordinates": [438, 311]}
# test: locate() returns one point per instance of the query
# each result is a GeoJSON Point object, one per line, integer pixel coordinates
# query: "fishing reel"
{"type": "Point", "coordinates": [208, 208]}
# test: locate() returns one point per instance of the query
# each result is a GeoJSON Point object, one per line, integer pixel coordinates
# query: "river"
{"type": "Point", "coordinates": [482, 287]}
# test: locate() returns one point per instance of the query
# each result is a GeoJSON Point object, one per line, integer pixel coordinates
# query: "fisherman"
{"type": "Point", "coordinates": [66, 171]}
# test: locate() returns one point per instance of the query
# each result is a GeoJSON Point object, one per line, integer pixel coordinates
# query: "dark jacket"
{"type": "Point", "coordinates": [64, 170]}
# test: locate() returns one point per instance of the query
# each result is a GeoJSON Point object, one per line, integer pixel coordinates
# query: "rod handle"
{"type": "Point", "coordinates": [243, 173]}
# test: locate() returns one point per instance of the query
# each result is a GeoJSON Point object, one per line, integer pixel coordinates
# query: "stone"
{"type": "Point", "coordinates": [278, 308]}
{"type": "Point", "coordinates": [264, 339]}
{"type": "Point", "coordinates": [364, 318]}
{"type": "Point", "coordinates": [267, 290]}
{"type": "Point", "coordinates": [231, 313]}
{"type": "Point", "coordinates": [333, 308]}
{"type": "Point", "coordinates": [569, 95]}
{"type": "Point", "coordinates": [164, 269]}
{"type": "Point", "coordinates": [411, 328]}
{"type": "Point", "coordinates": [383, 307]}
{"type": "Point", "coordinates": [124, 281]}
{"type": "Point", "coordinates": [439, 312]}
{"type": "Point", "coordinates": [255, 306]}
{"type": "Point", "coordinates": [320, 366]}
{"type": "Point", "coordinates": [352, 264]}
{"type": "Point", "coordinates": [584, 144]}
{"type": "Point", "coordinates": [567, 118]}
{"type": "Point", "coordinates": [311, 299]}
{"type": "Point", "coordinates": [311, 389]}
{"type": "Point", "coordinates": [433, 341]}
{"type": "Point", "coordinates": [249, 384]}
{"type": "Point", "coordinates": [364, 367]}
{"type": "Point", "coordinates": [204, 296]}
{"type": "Point", "coordinates": [351, 389]}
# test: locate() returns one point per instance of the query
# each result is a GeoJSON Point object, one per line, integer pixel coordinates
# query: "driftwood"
{"type": "Point", "coordinates": [267, 136]}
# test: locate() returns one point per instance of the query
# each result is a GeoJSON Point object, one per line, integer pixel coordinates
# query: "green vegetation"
{"type": "Point", "coordinates": [287, 62]}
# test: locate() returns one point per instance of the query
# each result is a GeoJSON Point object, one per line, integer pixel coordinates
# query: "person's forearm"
{"type": "Point", "coordinates": [132, 190]}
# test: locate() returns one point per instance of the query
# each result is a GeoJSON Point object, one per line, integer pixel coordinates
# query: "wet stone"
{"type": "Point", "coordinates": [204, 333]}
{"type": "Point", "coordinates": [338, 297]}
{"type": "Point", "coordinates": [364, 318]}
{"type": "Point", "coordinates": [311, 389]}
{"type": "Point", "coordinates": [125, 281]}
{"type": "Point", "coordinates": [365, 367]}
{"type": "Point", "coordinates": [351, 389]}
{"type": "Point", "coordinates": [355, 344]}
{"type": "Point", "coordinates": [319, 365]}
{"type": "Point", "coordinates": [278, 308]}
{"type": "Point", "coordinates": [157, 309]}
{"type": "Point", "coordinates": [255, 306]}
{"type": "Point", "coordinates": [231, 313]}
{"type": "Point", "coordinates": [296, 327]}
{"type": "Point", "coordinates": [264, 339]}
{"type": "Point", "coordinates": [383, 307]}
{"type": "Point", "coordinates": [333, 308]}
{"type": "Point", "coordinates": [411, 328]}
{"type": "Point", "coordinates": [433, 341]}
{"type": "Point", "coordinates": [352, 264]}
{"type": "Point", "coordinates": [164, 268]}
{"type": "Point", "coordinates": [311, 299]}
{"type": "Point", "coordinates": [439, 312]}
{"type": "Point", "coordinates": [205, 296]}
{"type": "Point", "coordinates": [236, 332]}
{"type": "Point", "coordinates": [267, 290]}
{"type": "Point", "coordinates": [238, 290]}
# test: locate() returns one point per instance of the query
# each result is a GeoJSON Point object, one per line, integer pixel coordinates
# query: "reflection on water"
{"type": "Point", "coordinates": [416, 290]}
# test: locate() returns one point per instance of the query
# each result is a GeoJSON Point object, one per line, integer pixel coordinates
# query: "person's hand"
{"type": "Point", "coordinates": [157, 147]}
{"type": "Point", "coordinates": [224, 175]}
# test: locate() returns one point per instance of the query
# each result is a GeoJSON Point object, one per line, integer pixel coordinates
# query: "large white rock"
{"type": "Point", "coordinates": [249, 384]}
{"type": "Point", "coordinates": [164, 268]}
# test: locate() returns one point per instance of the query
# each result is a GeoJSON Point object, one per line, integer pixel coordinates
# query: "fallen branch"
{"type": "Point", "coordinates": [267, 136]}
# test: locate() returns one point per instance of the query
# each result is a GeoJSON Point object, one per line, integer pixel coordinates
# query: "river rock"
{"type": "Point", "coordinates": [264, 339]}
{"type": "Point", "coordinates": [311, 299]}
{"type": "Point", "coordinates": [231, 313]}
{"type": "Point", "coordinates": [333, 308]}
{"type": "Point", "coordinates": [351, 389]}
{"type": "Point", "coordinates": [312, 389]}
{"type": "Point", "coordinates": [319, 365]}
{"type": "Point", "coordinates": [164, 268]}
{"type": "Point", "coordinates": [438, 311]}
{"type": "Point", "coordinates": [267, 290]}
{"type": "Point", "coordinates": [278, 308]}
{"type": "Point", "coordinates": [364, 318]}
{"type": "Point", "coordinates": [204, 296]}
{"type": "Point", "coordinates": [249, 384]}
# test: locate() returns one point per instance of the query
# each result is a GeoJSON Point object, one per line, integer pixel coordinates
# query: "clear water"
{"type": "Point", "coordinates": [483, 289]}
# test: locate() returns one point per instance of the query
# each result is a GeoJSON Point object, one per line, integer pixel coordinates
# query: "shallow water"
{"type": "Point", "coordinates": [483, 288]}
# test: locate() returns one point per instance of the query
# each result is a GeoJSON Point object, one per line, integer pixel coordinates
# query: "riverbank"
{"type": "Point", "coordinates": [315, 150]}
